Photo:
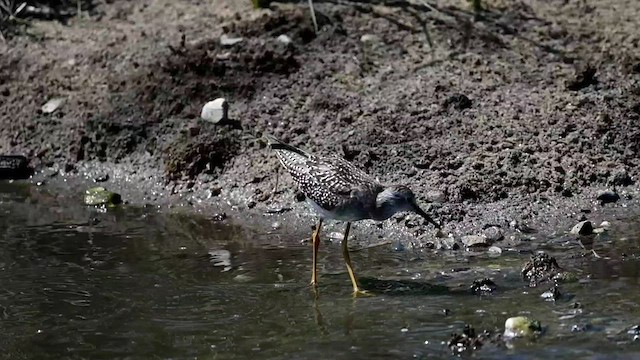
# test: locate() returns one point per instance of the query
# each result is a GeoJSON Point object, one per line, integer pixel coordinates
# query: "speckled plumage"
{"type": "Point", "coordinates": [336, 188]}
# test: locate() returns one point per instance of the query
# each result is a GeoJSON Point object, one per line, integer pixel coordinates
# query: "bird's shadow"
{"type": "Point", "coordinates": [402, 287]}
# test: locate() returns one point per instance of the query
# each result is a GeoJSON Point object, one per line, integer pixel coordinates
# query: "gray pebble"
{"type": "Point", "coordinates": [493, 233]}
{"type": "Point", "coordinates": [475, 241]}
{"type": "Point", "coordinates": [436, 196]}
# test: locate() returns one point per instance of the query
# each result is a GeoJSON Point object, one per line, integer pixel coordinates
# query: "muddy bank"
{"type": "Point", "coordinates": [516, 115]}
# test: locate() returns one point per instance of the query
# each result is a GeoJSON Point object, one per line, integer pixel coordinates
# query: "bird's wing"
{"type": "Point", "coordinates": [329, 181]}
{"type": "Point", "coordinates": [338, 180]}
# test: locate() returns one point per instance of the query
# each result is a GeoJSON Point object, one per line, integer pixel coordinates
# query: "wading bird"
{"type": "Point", "coordinates": [338, 190]}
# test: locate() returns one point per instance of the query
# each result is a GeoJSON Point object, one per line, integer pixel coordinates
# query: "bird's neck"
{"type": "Point", "coordinates": [385, 206]}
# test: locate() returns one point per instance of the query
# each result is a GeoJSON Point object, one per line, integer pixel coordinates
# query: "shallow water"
{"type": "Point", "coordinates": [76, 282]}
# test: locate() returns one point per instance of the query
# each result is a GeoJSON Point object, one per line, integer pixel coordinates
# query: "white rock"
{"type": "Point", "coordinates": [284, 39]}
{"type": "Point", "coordinates": [494, 250]}
{"type": "Point", "coordinates": [215, 111]}
{"type": "Point", "coordinates": [369, 38]}
{"type": "Point", "coordinates": [520, 326]}
{"type": "Point", "coordinates": [52, 105]}
{"type": "Point", "coordinates": [227, 40]}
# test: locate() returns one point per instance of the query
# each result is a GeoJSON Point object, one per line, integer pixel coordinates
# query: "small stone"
{"type": "Point", "coordinates": [215, 111]}
{"type": "Point", "coordinates": [475, 241]}
{"type": "Point", "coordinates": [521, 326]}
{"type": "Point", "coordinates": [493, 233]}
{"type": "Point", "coordinates": [607, 196]}
{"type": "Point", "coordinates": [435, 196]}
{"type": "Point", "coordinates": [369, 38]}
{"type": "Point", "coordinates": [582, 228]}
{"type": "Point", "coordinates": [495, 250]}
{"type": "Point", "coordinates": [276, 225]}
{"type": "Point", "coordinates": [284, 39]}
{"type": "Point", "coordinates": [52, 105]}
{"type": "Point", "coordinates": [100, 196]}
{"type": "Point", "coordinates": [458, 101]}
{"type": "Point", "coordinates": [227, 40]}
{"type": "Point", "coordinates": [605, 225]}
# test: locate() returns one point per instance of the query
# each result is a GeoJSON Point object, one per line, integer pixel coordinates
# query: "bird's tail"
{"type": "Point", "coordinates": [276, 144]}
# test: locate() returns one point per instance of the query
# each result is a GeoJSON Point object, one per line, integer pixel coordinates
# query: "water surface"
{"type": "Point", "coordinates": [138, 283]}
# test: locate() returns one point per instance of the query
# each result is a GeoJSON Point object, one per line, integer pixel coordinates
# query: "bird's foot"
{"type": "Point", "coordinates": [361, 293]}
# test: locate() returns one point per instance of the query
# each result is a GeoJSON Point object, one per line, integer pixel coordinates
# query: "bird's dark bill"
{"type": "Point", "coordinates": [421, 212]}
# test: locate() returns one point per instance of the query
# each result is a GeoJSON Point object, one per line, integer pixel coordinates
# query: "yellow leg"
{"type": "Point", "coordinates": [347, 259]}
{"type": "Point", "coordinates": [315, 239]}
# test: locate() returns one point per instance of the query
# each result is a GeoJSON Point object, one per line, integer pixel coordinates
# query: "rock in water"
{"type": "Point", "coordinates": [215, 111]}
{"type": "Point", "coordinates": [100, 196]}
{"type": "Point", "coordinates": [521, 326]}
{"type": "Point", "coordinates": [14, 167]}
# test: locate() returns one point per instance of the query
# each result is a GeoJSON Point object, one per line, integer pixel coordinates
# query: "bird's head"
{"type": "Point", "coordinates": [399, 198]}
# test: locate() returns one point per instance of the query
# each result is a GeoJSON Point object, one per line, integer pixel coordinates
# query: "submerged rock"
{"type": "Point", "coordinates": [485, 285]}
{"type": "Point", "coordinates": [541, 267]}
{"type": "Point", "coordinates": [100, 196]}
{"type": "Point", "coordinates": [468, 340]}
{"type": "Point", "coordinates": [521, 326]}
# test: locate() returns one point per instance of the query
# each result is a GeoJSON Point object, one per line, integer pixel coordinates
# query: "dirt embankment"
{"type": "Point", "coordinates": [517, 104]}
